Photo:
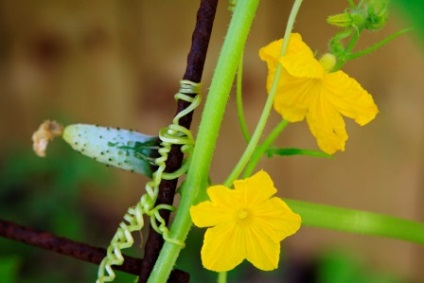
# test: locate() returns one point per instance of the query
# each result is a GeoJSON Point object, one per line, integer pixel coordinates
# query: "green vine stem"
{"type": "Point", "coordinates": [342, 57]}
{"type": "Point", "coordinates": [239, 99]}
{"type": "Point", "coordinates": [208, 133]}
{"type": "Point", "coordinates": [353, 40]}
{"type": "Point", "coordinates": [268, 104]}
{"type": "Point", "coordinates": [348, 55]}
{"type": "Point", "coordinates": [260, 150]}
{"type": "Point", "coordinates": [355, 221]}
{"type": "Point", "coordinates": [378, 44]}
{"type": "Point", "coordinates": [222, 277]}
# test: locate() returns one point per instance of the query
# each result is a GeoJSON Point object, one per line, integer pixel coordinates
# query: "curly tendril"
{"type": "Point", "coordinates": [174, 134]}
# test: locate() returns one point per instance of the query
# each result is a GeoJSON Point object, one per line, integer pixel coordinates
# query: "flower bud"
{"type": "Point", "coordinates": [351, 18]}
{"type": "Point", "coordinates": [377, 13]}
{"type": "Point", "coordinates": [369, 14]}
{"type": "Point", "coordinates": [328, 61]}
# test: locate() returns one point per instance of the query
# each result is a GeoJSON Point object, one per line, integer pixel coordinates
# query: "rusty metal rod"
{"type": "Point", "coordinates": [81, 251]}
{"type": "Point", "coordinates": [195, 63]}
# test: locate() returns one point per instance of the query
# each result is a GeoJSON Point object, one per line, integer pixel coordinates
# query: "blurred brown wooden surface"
{"type": "Point", "coordinates": [118, 63]}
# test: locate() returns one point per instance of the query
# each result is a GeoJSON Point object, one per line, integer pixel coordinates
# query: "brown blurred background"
{"type": "Point", "coordinates": [118, 63]}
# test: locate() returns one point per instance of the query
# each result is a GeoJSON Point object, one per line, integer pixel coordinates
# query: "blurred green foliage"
{"type": "Point", "coordinates": [9, 269]}
{"type": "Point", "coordinates": [413, 12]}
{"type": "Point", "coordinates": [342, 267]}
{"type": "Point", "coordinates": [45, 193]}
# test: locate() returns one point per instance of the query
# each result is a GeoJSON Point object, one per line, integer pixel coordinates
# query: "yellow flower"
{"type": "Point", "coordinates": [308, 89]}
{"type": "Point", "coordinates": [246, 223]}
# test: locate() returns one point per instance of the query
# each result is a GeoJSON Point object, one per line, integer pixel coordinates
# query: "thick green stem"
{"type": "Point", "coordinates": [355, 221]}
{"type": "Point", "coordinates": [208, 133]}
{"type": "Point", "coordinates": [222, 277]}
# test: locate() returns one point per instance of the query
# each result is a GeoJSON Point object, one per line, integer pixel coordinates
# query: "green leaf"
{"type": "Point", "coordinates": [297, 151]}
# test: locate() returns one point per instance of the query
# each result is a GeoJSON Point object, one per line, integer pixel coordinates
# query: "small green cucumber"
{"type": "Point", "coordinates": [125, 149]}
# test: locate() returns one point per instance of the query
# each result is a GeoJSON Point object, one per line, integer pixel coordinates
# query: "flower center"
{"type": "Point", "coordinates": [243, 214]}
{"type": "Point", "coordinates": [328, 61]}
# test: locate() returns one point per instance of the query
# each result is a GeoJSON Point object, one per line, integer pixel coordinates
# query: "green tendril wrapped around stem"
{"type": "Point", "coordinates": [174, 134]}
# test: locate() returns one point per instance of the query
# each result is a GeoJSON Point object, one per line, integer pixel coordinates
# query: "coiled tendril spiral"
{"type": "Point", "coordinates": [174, 134]}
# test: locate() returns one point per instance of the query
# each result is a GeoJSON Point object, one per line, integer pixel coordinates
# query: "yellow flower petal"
{"type": "Point", "coordinates": [271, 52]}
{"type": "Point", "coordinates": [222, 195]}
{"type": "Point", "coordinates": [277, 219]}
{"type": "Point", "coordinates": [296, 45]}
{"type": "Point", "coordinates": [294, 97]}
{"type": "Point", "coordinates": [211, 213]}
{"type": "Point", "coordinates": [207, 214]}
{"type": "Point", "coordinates": [299, 60]}
{"type": "Point", "coordinates": [256, 189]}
{"type": "Point", "coordinates": [263, 252]}
{"type": "Point", "coordinates": [248, 224]}
{"type": "Point", "coordinates": [223, 248]}
{"type": "Point", "coordinates": [306, 89]}
{"type": "Point", "coordinates": [349, 98]}
{"type": "Point", "coordinates": [302, 63]}
{"type": "Point", "coordinates": [327, 125]}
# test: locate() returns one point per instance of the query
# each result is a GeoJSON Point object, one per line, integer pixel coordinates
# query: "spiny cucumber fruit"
{"type": "Point", "coordinates": [125, 149]}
